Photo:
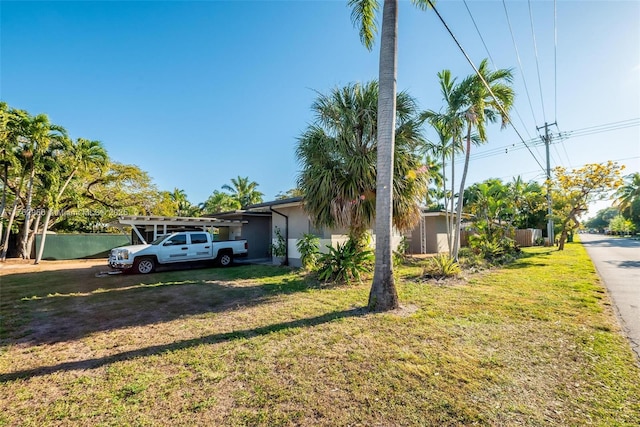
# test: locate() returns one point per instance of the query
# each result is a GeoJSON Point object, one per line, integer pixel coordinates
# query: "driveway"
{"type": "Point", "coordinates": [618, 263]}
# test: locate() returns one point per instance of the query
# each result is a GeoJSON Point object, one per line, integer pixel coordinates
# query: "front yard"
{"type": "Point", "coordinates": [534, 344]}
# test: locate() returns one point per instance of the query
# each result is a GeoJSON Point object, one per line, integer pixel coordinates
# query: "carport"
{"type": "Point", "coordinates": [149, 228]}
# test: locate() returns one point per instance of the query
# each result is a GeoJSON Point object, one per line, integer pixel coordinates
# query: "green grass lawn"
{"type": "Point", "coordinates": [534, 344]}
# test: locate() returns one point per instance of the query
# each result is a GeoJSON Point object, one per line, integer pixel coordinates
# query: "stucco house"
{"type": "Point", "coordinates": [288, 216]}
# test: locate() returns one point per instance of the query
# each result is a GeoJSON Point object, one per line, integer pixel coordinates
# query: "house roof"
{"type": "Point", "coordinates": [442, 212]}
{"type": "Point", "coordinates": [291, 201]}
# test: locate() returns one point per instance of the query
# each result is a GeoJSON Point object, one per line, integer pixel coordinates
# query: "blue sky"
{"type": "Point", "coordinates": [199, 92]}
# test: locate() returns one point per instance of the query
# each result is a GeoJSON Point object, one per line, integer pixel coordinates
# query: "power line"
{"type": "Point", "coordinates": [515, 46]}
{"type": "Point", "coordinates": [486, 48]}
{"type": "Point", "coordinates": [535, 49]}
{"type": "Point", "coordinates": [555, 60]}
{"type": "Point", "coordinates": [536, 142]}
{"type": "Point", "coordinates": [504, 113]}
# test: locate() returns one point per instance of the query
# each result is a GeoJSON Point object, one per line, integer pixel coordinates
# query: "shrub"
{"type": "Point", "coordinates": [344, 263]}
{"type": "Point", "coordinates": [441, 266]}
{"type": "Point", "coordinates": [400, 254]}
{"type": "Point", "coordinates": [309, 247]}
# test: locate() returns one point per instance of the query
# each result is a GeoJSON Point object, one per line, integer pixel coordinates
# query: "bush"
{"type": "Point", "coordinates": [279, 248]}
{"type": "Point", "coordinates": [400, 254]}
{"type": "Point", "coordinates": [309, 248]}
{"type": "Point", "coordinates": [469, 259]}
{"type": "Point", "coordinates": [344, 263]}
{"type": "Point", "coordinates": [497, 248]}
{"type": "Point", "coordinates": [441, 266]}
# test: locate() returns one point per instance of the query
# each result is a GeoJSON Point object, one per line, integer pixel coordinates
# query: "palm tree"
{"type": "Point", "coordinates": [244, 191]}
{"type": "Point", "coordinates": [338, 158]}
{"type": "Point", "coordinates": [448, 126]}
{"type": "Point", "coordinates": [80, 155]}
{"type": "Point", "coordinates": [41, 133]}
{"type": "Point", "coordinates": [10, 130]}
{"type": "Point", "coordinates": [480, 105]}
{"type": "Point", "coordinates": [179, 197]}
{"type": "Point", "coordinates": [219, 202]}
{"type": "Point", "coordinates": [383, 294]}
{"type": "Point", "coordinates": [629, 193]}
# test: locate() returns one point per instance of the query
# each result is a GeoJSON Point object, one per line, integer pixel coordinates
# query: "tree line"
{"type": "Point", "coordinates": [50, 181]}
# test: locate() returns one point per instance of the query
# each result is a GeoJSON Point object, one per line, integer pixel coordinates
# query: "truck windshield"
{"type": "Point", "coordinates": [158, 240]}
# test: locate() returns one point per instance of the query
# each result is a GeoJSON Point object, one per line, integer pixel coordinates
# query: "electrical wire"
{"type": "Point", "coordinates": [515, 46]}
{"type": "Point", "coordinates": [555, 60]}
{"type": "Point", "coordinates": [486, 48]}
{"type": "Point", "coordinates": [504, 113]}
{"type": "Point", "coordinates": [538, 142]}
{"type": "Point", "coordinates": [535, 49]}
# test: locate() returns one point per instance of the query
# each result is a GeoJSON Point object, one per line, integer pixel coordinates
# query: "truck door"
{"type": "Point", "coordinates": [174, 249]}
{"type": "Point", "coordinates": [200, 247]}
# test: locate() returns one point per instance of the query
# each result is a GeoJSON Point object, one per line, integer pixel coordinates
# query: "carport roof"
{"type": "Point", "coordinates": [178, 220]}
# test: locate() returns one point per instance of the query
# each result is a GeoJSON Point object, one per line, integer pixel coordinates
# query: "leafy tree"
{"type": "Point", "coordinates": [244, 191]}
{"type": "Point", "coordinates": [338, 157]}
{"type": "Point", "coordinates": [220, 202]}
{"type": "Point", "coordinates": [574, 190]}
{"type": "Point", "coordinates": [294, 192]}
{"type": "Point", "coordinates": [621, 225]}
{"type": "Point", "coordinates": [529, 203]}
{"type": "Point", "coordinates": [602, 218]}
{"type": "Point", "coordinates": [383, 294]}
{"type": "Point", "coordinates": [83, 154]}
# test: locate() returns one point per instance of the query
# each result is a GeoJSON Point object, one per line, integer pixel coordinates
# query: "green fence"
{"type": "Point", "coordinates": [78, 246]}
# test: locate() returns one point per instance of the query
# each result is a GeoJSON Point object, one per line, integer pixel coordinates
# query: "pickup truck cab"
{"type": "Point", "coordinates": [180, 247]}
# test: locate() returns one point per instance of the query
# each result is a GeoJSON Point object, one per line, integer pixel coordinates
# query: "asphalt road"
{"type": "Point", "coordinates": [618, 263]}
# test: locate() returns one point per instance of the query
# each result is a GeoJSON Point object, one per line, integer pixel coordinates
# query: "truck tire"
{"type": "Point", "coordinates": [144, 265]}
{"type": "Point", "coordinates": [224, 259]}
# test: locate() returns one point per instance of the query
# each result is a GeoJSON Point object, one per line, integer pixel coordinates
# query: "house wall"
{"type": "Point", "coordinates": [299, 224]}
{"type": "Point", "coordinates": [257, 232]}
{"type": "Point", "coordinates": [435, 232]}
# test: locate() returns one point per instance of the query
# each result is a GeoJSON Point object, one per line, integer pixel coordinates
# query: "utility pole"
{"type": "Point", "coordinates": [547, 142]}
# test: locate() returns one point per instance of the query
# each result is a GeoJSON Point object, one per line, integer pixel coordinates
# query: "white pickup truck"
{"type": "Point", "coordinates": [184, 246]}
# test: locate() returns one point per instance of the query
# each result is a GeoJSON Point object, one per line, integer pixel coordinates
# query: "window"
{"type": "Point", "coordinates": [178, 239]}
{"type": "Point", "coordinates": [198, 238]}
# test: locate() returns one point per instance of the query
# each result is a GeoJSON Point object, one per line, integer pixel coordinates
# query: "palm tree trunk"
{"type": "Point", "coordinates": [48, 216]}
{"type": "Point", "coordinates": [450, 216]}
{"type": "Point", "coordinates": [14, 209]}
{"type": "Point", "coordinates": [444, 193]}
{"type": "Point", "coordinates": [32, 235]}
{"type": "Point", "coordinates": [456, 244]}
{"type": "Point", "coordinates": [45, 228]}
{"type": "Point", "coordinates": [22, 245]}
{"type": "Point", "coordinates": [383, 295]}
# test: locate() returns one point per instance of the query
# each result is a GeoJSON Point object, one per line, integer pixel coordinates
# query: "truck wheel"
{"type": "Point", "coordinates": [144, 265]}
{"type": "Point", "coordinates": [225, 259]}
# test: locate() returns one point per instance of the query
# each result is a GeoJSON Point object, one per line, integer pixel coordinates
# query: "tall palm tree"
{"type": "Point", "coordinates": [82, 154]}
{"type": "Point", "coordinates": [448, 126]}
{"type": "Point", "coordinates": [244, 191]}
{"type": "Point", "coordinates": [10, 130]}
{"type": "Point", "coordinates": [338, 158]}
{"type": "Point", "coordinates": [383, 294]}
{"type": "Point", "coordinates": [41, 133]}
{"type": "Point", "coordinates": [478, 106]}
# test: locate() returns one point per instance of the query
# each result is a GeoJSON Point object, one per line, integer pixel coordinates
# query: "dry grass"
{"type": "Point", "coordinates": [535, 344]}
